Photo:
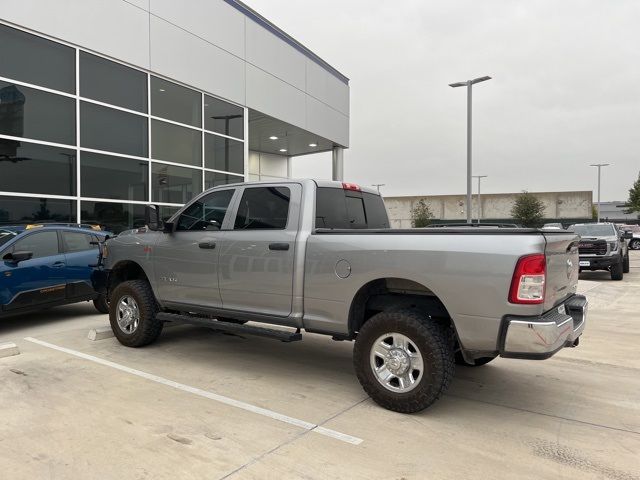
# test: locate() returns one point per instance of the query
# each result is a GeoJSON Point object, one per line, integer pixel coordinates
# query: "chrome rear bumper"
{"type": "Point", "coordinates": [541, 337]}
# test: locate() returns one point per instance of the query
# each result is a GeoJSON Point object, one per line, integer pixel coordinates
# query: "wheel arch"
{"type": "Point", "coordinates": [125, 270]}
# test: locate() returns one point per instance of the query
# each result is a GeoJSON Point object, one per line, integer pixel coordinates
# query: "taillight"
{"type": "Point", "coordinates": [351, 186]}
{"type": "Point", "coordinates": [527, 285]}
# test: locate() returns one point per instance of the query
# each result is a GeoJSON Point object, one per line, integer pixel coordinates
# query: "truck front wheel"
{"type": "Point", "coordinates": [404, 360]}
{"type": "Point", "coordinates": [617, 270]}
{"type": "Point", "coordinates": [132, 314]}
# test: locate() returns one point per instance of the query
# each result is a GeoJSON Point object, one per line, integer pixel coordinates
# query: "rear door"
{"type": "Point", "coordinates": [561, 251]}
{"type": "Point", "coordinates": [257, 255]}
{"type": "Point", "coordinates": [186, 260]}
{"type": "Point", "coordinates": [79, 256]}
{"type": "Point", "coordinates": [39, 280]}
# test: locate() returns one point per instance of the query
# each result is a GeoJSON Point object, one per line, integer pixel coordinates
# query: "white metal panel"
{"type": "Point", "coordinates": [144, 4]}
{"type": "Point", "coordinates": [326, 87]}
{"type": "Point", "coordinates": [111, 27]}
{"type": "Point", "coordinates": [273, 97]}
{"type": "Point", "coordinates": [271, 54]}
{"type": "Point", "coordinates": [212, 20]}
{"type": "Point", "coordinates": [178, 54]}
{"type": "Point", "coordinates": [273, 165]}
{"type": "Point", "coordinates": [327, 122]}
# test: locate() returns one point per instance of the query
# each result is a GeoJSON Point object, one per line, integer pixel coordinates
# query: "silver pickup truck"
{"type": "Point", "coordinates": [319, 256]}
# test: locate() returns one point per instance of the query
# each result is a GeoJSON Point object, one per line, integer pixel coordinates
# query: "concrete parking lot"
{"type": "Point", "coordinates": [202, 404]}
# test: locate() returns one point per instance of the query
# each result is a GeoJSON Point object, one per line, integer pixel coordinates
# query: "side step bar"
{"type": "Point", "coordinates": [282, 335]}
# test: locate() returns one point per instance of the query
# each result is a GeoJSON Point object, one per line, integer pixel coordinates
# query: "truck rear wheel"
{"type": "Point", "coordinates": [404, 360]}
{"type": "Point", "coordinates": [625, 263]}
{"type": "Point", "coordinates": [617, 271]}
{"type": "Point", "coordinates": [132, 314]}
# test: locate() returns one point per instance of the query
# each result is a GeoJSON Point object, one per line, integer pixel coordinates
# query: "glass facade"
{"type": "Point", "coordinates": [95, 145]}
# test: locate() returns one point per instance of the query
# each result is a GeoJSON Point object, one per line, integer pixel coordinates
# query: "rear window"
{"type": "Point", "coordinates": [345, 209]}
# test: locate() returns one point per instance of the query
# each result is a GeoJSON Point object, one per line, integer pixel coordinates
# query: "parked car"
{"type": "Point", "coordinates": [634, 241]}
{"type": "Point", "coordinates": [45, 266]}
{"type": "Point", "coordinates": [553, 225]}
{"type": "Point", "coordinates": [320, 256]}
{"type": "Point", "coordinates": [603, 247]}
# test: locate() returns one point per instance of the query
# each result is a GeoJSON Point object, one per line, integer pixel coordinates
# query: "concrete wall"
{"type": "Point", "coordinates": [207, 44]}
{"type": "Point", "coordinates": [267, 166]}
{"type": "Point", "coordinates": [494, 206]}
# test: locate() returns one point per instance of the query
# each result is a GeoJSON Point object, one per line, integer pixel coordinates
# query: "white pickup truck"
{"type": "Point", "coordinates": [319, 256]}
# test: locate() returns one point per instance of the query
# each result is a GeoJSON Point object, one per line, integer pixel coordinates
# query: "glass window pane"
{"type": "Point", "coordinates": [355, 212]}
{"type": "Point", "coordinates": [223, 117]}
{"type": "Point", "coordinates": [263, 208]}
{"type": "Point", "coordinates": [215, 179]}
{"type": "Point", "coordinates": [41, 244]}
{"type": "Point", "coordinates": [110, 82]}
{"type": "Point", "coordinates": [176, 144]}
{"type": "Point", "coordinates": [107, 129]}
{"type": "Point", "coordinates": [176, 103]}
{"type": "Point", "coordinates": [105, 176]}
{"type": "Point", "coordinates": [167, 212]}
{"type": "Point", "coordinates": [32, 59]}
{"type": "Point", "coordinates": [32, 168]}
{"type": "Point", "coordinates": [207, 213]}
{"type": "Point", "coordinates": [26, 210]}
{"type": "Point", "coordinates": [331, 208]}
{"type": "Point", "coordinates": [376, 212]}
{"type": "Point", "coordinates": [77, 242]}
{"type": "Point", "coordinates": [31, 113]}
{"type": "Point", "coordinates": [222, 153]}
{"type": "Point", "coordinates": [174, 184]}
{"type": "Point", "coordinates": [113, 217]}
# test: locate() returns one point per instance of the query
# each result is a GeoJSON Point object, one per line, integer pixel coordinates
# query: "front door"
{"type": "Point", "coordinates": [257, 255]}
{"type": "Point", "coordinates": [186, 260]}
{"type": "Point", "coordinates": [37, 281]}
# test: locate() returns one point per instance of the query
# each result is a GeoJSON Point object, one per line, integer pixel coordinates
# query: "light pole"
{"type": "Point", "coordinates": [599, 165]}
{"type": "Point", "coordinates": [378, 185]}
{"type": "Point", "coordinates": [468, 84]}
{"type": "Point", "coordinates": [479, 177]}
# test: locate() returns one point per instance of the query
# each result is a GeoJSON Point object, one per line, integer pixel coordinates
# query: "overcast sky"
{"type": "Point", "coordinates": [565, 91]}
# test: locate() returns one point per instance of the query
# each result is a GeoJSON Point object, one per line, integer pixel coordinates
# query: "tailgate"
{"type": "Point", "coordinates": [561, 251]}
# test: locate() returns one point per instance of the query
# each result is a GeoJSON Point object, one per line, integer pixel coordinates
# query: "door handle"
{"type": "Point", "coordinates": [58, 265]}
{"type": "Point", "coordinates": [207, 245]}
{"type": "Point", "coordinates": [278, 246]}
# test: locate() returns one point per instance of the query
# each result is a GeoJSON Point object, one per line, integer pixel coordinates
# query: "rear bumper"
{"type": "Point", "coordinates": [540, 337]}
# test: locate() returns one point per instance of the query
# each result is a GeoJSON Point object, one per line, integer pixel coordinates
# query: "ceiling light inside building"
{"type": "Point", "coordinates": [161, 89]}
{"type": "Point", "coordinates": [313, 144]}
{"type": "Point", "coordinates": [273, 137]}
{"type": "Point", "coordinates": [283, 149]}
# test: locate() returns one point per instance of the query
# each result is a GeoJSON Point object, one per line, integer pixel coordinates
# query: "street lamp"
{"type": "Point", "coordinates": [468, 84]}
{"type": "Point", "coordinates": [378, 185]}
{"type": "Point", "coordinates": [479, 177]}
{"type": "Point", "coordinates": [599, 165]}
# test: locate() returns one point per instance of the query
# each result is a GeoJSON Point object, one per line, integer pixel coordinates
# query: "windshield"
{"type": "Point", "coordinates": [594, 230]}
{"type": "Point", "coordinates": [6, 236]}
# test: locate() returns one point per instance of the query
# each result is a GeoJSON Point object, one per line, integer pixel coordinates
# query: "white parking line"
{"type": "Point", "coordinates": [203, 393]}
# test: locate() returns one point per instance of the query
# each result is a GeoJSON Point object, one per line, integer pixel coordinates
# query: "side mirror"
{"type": "Point", "coordinates": [167, 227]}
{"type": "Point", "coordinates": [152, 218]}
{"type": "Point", "coordinates": [17, 257]}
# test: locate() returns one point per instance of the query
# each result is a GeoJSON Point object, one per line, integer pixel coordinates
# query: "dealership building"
{"type": "Point", "coordinates": [108, 105]}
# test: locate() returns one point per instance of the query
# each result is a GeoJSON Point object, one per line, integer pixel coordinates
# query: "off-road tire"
{"type": "Point", "coordinates": [149, 328]}
{"type": "Point", "coordinates": [436, 345]}
{"type": "Point", "coordinates": [478, 362]}
{"type": "Point", "coordinates": [625, 264]}
{"type": "Point", "coordinates": [101, 304]}
{"type": "Point", "coordinates": [617, 271]}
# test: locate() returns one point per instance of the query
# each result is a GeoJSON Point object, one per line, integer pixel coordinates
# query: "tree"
{"type": "Point", "coordinates": [633, 204]}
{"type": "Point", "coordinates": [594, 212]}
{"type": "Point", "coordinates": [528, 210]}
{"type": "Point", "coordinates": [421, 214]}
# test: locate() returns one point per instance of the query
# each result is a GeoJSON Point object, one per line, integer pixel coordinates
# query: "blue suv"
{"type": "Point", "coordinates": [47, 266]}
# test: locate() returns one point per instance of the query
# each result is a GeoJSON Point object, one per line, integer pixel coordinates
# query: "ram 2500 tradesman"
{"type": "Point", "coordinates": [319, 256]}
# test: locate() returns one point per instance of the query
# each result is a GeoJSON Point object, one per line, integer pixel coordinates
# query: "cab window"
{"type": "Point", "coordinates": [77, 241]}
{"type": "Point", "coordinates": [206, 213]}
{"type": "Point", "coordinates": [41, 244]}
{"type": "Point", "coordinates": [263, 208]}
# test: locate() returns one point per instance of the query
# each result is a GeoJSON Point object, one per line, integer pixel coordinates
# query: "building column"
{"type": "Point", "coordinates": [337, 170]}
{"type": "Point", "coordinates": [289, 167]}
